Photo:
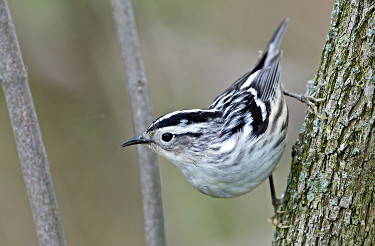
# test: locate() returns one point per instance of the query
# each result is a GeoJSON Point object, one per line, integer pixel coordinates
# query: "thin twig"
{"type": "Point", "coordinates": [31, 151]}
{"type": "Point", "coordinates": [142, 118]}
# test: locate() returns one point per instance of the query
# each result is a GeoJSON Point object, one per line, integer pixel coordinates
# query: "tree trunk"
{"type": "Point", "coordinates": [329, 198]}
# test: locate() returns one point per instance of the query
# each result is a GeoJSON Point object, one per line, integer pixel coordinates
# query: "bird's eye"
{"type": "Point", "coordinates": [167, 137]}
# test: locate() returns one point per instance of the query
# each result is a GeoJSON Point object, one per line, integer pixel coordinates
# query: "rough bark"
{"type": "Point", "coordinates": [329, 198]}
{"type": "Point", "coordinates": [31, 151]}
{"type": "Point", "coordinates": [142, 118]}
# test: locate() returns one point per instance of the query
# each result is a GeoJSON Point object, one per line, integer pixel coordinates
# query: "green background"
{"type": "Point", "coordinates": [193, 50]}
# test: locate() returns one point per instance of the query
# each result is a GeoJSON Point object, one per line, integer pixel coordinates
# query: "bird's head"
{"type": "Point", "coordinates": [182, 136]}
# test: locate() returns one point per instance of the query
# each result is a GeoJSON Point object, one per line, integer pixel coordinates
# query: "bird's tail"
{"type": "Point", "coordinates": [274, 44]}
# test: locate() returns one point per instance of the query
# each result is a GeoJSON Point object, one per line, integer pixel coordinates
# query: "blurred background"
{"type": "Point", "coordinates": [193, 50]}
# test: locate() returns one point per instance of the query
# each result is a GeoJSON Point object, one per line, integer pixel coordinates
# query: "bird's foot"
{"type": "Point", "coordinates": [309, 101]}
{"type": "Point", "coordinates": [275, 219]}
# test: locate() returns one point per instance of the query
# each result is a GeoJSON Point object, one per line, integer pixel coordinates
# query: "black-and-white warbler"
{"type": "Point", "coordinates": [229, 148]}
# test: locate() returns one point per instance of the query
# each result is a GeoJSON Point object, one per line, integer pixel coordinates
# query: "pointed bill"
{"type": "Point", "coordinates": [136, 140]}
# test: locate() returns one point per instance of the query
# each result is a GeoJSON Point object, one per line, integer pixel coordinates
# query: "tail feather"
{"type": "Point", "coordinates": [266, 74]}
{"type": "Point", "coordinates": [274, 44]}
{"type": "Point", "coordinates": [269, 56]}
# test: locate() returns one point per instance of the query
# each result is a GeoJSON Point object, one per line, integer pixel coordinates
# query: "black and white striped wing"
{"type": "Point", "coordinates": [249, 104]}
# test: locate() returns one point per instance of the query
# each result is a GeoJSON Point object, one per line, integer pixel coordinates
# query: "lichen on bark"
{"type": "Point", "coordinates": [329, 198]}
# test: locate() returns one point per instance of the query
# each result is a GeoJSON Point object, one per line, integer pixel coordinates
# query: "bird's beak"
{"type": "Point", "coordinates": [136, 140]}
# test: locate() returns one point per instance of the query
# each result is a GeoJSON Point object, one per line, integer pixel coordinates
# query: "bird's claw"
{"type": "Point", "coordinates": [275, 219]}
{"type": "Point", "coordinates": [309, 101]}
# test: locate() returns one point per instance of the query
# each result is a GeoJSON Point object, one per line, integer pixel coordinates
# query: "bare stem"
{"type": "Point", "coordinates": [31, 151]}
{"type": "Point", "coordinates": [142, 118]}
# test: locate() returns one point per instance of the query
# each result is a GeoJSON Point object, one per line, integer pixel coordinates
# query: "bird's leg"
{"type": "Point", "coordinates": [276, 202]}
{"type": "Point", "coordinates": [309, 100]}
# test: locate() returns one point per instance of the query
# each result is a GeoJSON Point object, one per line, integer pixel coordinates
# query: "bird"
{"type": "Point", "coordinates": [233, 145]}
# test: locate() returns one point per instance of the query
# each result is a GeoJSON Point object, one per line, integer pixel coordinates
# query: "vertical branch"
{"type": "Point", "coordinates": [31, 151]}
{"type": "Point", "coordinates": [142, 117]}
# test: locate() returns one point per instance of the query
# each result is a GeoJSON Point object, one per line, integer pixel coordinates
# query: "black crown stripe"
{"type": "Point", "coordinates": [185, 118]}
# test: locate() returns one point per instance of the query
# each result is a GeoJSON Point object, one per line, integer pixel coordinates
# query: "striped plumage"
{"type": "Point", "coordinates": [229, 148]}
